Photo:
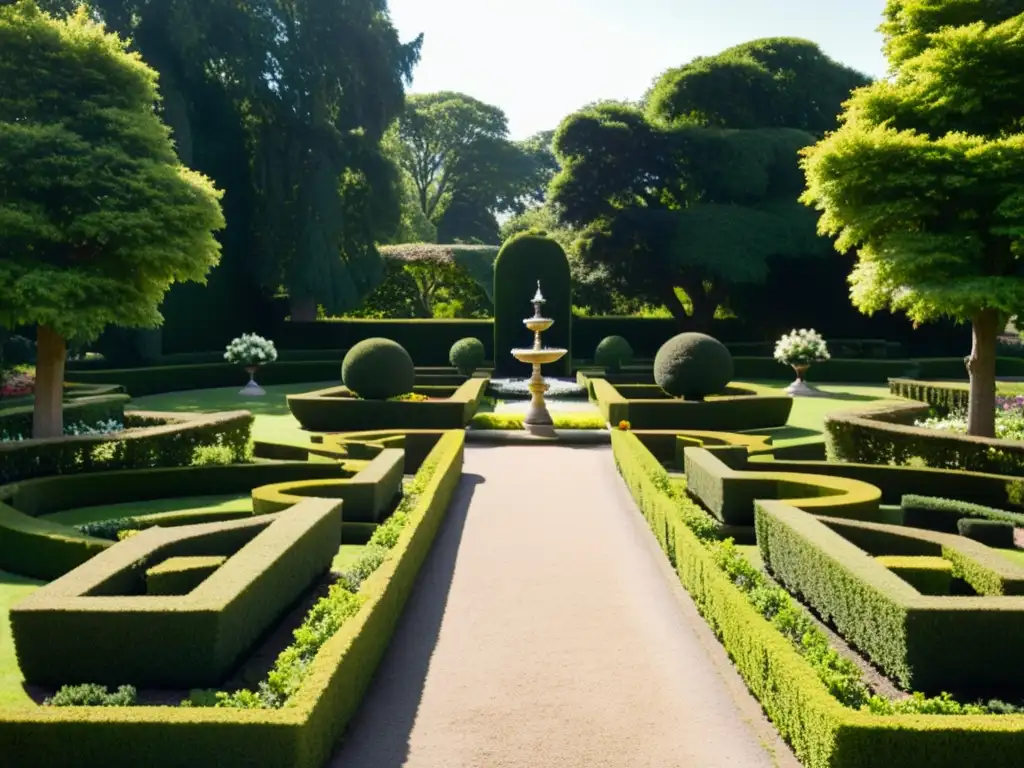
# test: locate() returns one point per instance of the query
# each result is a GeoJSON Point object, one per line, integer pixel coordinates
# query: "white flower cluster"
{"type": "Point", "coordinates": [801, 347]}
{"type": "Point", "coordinates": [250, 349]}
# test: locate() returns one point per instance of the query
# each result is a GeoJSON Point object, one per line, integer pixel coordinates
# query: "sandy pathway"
{"type": "Point", "coordinates": [547, 634]}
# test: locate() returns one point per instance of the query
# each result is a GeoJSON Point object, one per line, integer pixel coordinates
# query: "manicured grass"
{"type": "Point", "coordinates": [274, 421]}
{"type": "Point", "coordinates": [1016, 555]}
{"type": "Point", "coordinates": [562, 420]}
{"type": "Point", "coordinates": [12, 590]}
{"type": "Point", "coordinates": [807, 420]}
{"type": "Point", "coordinates": [198, 504]}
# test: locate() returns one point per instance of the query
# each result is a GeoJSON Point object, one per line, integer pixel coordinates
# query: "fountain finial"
{"type": "Point", "coordinates": [538, 297]}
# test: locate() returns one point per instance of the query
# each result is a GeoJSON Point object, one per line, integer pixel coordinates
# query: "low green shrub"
{"type": "Point", "coordinates": [467, 355]}
{"type": "Point", "coordinates": [992, 533]}
{"type": "Point", "coordinates": [612, 353]}
{"type": "Point", "coordinates": [91, 695]}
{"type": "Point", "coordinates": [929, 575]}
{"type": "Point", "coordinates": [514, 421]}
{"type": "Point", "coordinates": [108, 529]}
{"type": "Point", "coordinates": [944, 515]}
{"type": "Point", "coordinates": [377, 369]}
{"type": "Point", "coordinates": [693, 366]}
{"type": "Point", "coordinates": [942, 396]}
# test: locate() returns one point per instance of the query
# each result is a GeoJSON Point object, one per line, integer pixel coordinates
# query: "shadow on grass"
{"type": "Point", "coordinates": [13, 579]}
{"type": "Point", "coordinates": [274, 403]}
{"type": "Point", "coordinates": [785, 433]}
{"type": "Point", "coordinates": [378, 736]}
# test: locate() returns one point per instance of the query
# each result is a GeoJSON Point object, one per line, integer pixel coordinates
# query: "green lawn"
{"type": "Point", "coordinates": [807, 419]}
{"type": "Point", "coordinates": [347, 556]}
{"type": "Point", "coordinates": [273, 420]}
{"type": "Point", "coordinates": [12, 589]}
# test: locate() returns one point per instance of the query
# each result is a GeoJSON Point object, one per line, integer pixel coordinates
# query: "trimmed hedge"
{"type": "Point", "coordinates": [523, 261]}
{"type": "Point", "coordinates": [156, 440]}
{"type": "Point", "coordinates": [80, 410]}
{"type": "Point", "coordinates": [368, 496]}
{"type": "Point", "coordinates": [944, 515]}
{"type": "Point", "coordinates": [885, 436]}
{"type": "Point", "coordinates": [187, 641]}
{"type": "Point", "coordinates": [823, 733]}
{"type": "Point", "coordinates": [923, 642]}
{"type": "Point", "coordinates": [1001, 491]}
{"type": "Point", "coordinates": [46, 550]}
{"type": "Point", "coordinates": [928, 575]}
{"type": "Point", "coordinates": [739, 413]}
{"type": "Point", "coordinates": [943, 396]}
{"type": "Point", "coordinates": [991, 533]}
{"type": "Point", "coordinates": [299, 736]}
{"type": "Point", "coordinates": [328, 410]}
{"type": "Point", "coordinates": [729, 493]}
{"type": "Point", "coordinates": [180, 575]}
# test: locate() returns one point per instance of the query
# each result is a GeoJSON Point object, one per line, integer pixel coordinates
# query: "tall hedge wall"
{"type": "Point", "coordinates": [522, 261]}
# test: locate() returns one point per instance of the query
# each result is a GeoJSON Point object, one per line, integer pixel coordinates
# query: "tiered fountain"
{"type": "Point", "coordinates": [538, 420]}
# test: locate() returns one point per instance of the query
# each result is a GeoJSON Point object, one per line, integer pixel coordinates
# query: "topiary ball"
{"type": "Point", "coordinates": [376, 369]}
{"type": "Point", "coordinates": [467, 355]}
{"type": "Point", "coordinates": [612, 353]}
{"type": "Point", "coordinates": [693, 366]}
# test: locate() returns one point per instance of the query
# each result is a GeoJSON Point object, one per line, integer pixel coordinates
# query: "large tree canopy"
{"type": "Point", "coordinates": [463, 168]}
{"type": "Point", "coordinates": [307, 114]}
{"type": "Point", "coordinates": [97, 216]}
{"type": "Point", "coordinates": [778, 82]}
{"type": "Point", "coordinates": [925, 178]}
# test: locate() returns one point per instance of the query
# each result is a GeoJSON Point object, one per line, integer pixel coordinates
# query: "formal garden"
{"type": "Point", "coordinates": [219, 496]}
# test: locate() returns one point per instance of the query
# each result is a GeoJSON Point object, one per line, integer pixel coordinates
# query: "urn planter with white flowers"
{"type": "Point", "coordinates": [798, 350]}
{"type": "Point", "coordinates": [251, 351]}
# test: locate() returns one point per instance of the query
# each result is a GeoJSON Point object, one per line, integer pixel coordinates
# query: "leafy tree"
{"type": "Point", "coordinates": [682, 200]}
{"type": "Point", "coordinates": [925, 178]}
{"type": "Point", "coordinates": [463, 167]}
{"type": "Point", "coordinates": [97, 216]}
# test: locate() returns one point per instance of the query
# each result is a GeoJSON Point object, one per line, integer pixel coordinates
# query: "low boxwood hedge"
{"type": "Point", "coordinates": [929, 575]}
{"type": "Point", "coordinates": [944, 396]}
{"type": "Point", "coordinates": [174, 642]}
{"type": "Point", "coordinates": [155, 440]}
{"type": "Point", "coordinates": [180, 575]}
{"type": "Point", "coordinates": [822, 732]}
{"type": "Point", "coordinates": [736, 414]}
{"type": "Point", "coordinates": [299, 736]}
{"type": "Point", "coordinates": [940, 514]}
{"type": "Point", "coordinates": [729, 493]}
{"type": "Point", "coordinates": [923, 642]}
{"type": "Point", "coordinates": [885, 436]}
{"type": "Point", "coordinates": [368, 496]}
{"type": "Point", "coordinates": [328, 410]}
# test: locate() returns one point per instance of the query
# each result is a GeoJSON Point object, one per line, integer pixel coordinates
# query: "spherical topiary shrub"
{"type": "Point", "coordinates": [692, 366]}
{"type": "Point", "coordinates": [612, 353]}
{"type": "Point", "coordinates": [467, 355]}
{"type": "Point", "coordinates": [376, 369]}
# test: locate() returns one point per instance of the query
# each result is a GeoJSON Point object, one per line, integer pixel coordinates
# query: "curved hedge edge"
{"type": "Point", "coordinates": [42, 550]}
{"type": "Point", "coordinates": [947, 396]}
{"type": "Point", "coordinates": [822, 732]}
{"type": "Point", "coordinates": [294, 737]}
{"type": "Point", "coordinates": [171, 442]}
{"type": "Point", "coordinates": [884, 435]}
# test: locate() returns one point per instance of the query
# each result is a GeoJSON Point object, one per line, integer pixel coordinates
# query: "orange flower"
{"type": "Point", "coordinates": [623, 425]}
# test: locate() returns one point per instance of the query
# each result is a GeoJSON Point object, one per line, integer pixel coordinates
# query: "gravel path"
{"type": "Point", "coordinates": [547, 631]}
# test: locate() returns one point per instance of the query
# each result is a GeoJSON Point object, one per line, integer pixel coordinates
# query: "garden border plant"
{"type": "Point", "coordinates": [301, 735]}
{"type": "Point", "coordinates": [789, 680]}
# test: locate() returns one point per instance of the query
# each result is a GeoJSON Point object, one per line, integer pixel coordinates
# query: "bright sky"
{"type": "Point", "coordinates": [540, 60]}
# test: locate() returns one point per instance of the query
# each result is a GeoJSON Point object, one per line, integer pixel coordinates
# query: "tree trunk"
{"type": "Point", "coordinates": [48, 414]}
{"type": "Point", "coordinates": [673, 305]}
{"type": "Point", "coordinates": [704, 306]}
{"type": "Point", "coordinates": [303, 310]}
{"type": "Point", "coordinates": [981, 365]}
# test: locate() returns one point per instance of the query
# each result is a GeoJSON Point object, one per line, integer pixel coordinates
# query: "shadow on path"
{"type": "Point", "coordinates": [378, 736]}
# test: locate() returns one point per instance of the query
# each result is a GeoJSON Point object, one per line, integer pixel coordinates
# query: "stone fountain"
{"type": "Point", "coordinates": [538, 420]}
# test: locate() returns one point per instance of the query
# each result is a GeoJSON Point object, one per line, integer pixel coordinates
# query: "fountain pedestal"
{"type": "Point", "coordinates": [537, 420]}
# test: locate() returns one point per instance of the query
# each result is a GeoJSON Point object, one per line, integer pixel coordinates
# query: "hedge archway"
{"type": "Point", "coordinates": [522, 261]}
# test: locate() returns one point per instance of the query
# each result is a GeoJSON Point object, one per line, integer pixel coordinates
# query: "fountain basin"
{"type": "Point", "coordinates": [538, 324]}
{"type": "Point", "coordinates": [539, 356]}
